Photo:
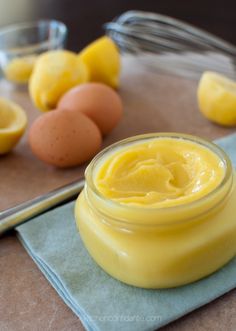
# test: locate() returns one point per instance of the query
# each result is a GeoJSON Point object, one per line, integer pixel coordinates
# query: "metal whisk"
{"type": "Point", "coordinates": [169, 44]}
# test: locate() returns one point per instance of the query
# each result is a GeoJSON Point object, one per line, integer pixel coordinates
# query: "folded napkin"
{"type": "Point", "coordinates": [101, 302]}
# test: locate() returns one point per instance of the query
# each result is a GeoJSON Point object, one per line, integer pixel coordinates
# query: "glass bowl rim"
{"type": "Point", "coordinates": [11, 28]}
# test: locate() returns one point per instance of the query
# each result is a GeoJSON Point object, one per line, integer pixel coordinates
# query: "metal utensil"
{"type": "Point", "coordinates": [21, 213]}
{"type": "Point", "coordinates": [169, 44]}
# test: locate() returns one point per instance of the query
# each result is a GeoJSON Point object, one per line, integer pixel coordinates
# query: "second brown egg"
{"type": "Point", "coordinates": [97, 101]}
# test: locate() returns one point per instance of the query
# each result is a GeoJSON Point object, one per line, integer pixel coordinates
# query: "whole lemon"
{"type": "Point", "coordinates": [217, 98]}
{"type": "Point", "coordinates": [103, 61]}
{"type": "Point", "coordinates": [55, 72]}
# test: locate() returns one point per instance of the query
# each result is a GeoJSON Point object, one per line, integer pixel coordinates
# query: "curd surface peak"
{"type": "Point", "coordinates": [159, 172]}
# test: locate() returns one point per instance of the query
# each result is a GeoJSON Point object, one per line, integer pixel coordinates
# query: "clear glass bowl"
{"type": "Point", "coordinates": [20, 44]}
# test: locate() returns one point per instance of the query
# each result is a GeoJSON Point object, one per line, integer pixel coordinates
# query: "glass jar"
{"type": "Point", "coordinates": [159, 247]}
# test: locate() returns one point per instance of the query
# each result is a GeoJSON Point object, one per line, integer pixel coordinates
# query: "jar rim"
{"type": "Point", "coordinates": [172, 135]}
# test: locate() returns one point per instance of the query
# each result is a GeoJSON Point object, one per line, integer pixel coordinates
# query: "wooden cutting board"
{"type": "Point", "coordinates": [153, 102]}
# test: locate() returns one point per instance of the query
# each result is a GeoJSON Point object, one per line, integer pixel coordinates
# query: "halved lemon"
{"type": "Point", "coordinates": [55, 72]}
{"type": "Point", "coordinates": [13, 122]}
{"type": "Point", "coordinates": [217, 98]}
{"type": "Point", "coordinates": [102, 58]}
{"type": "Point", "coordinates": [19, 69]}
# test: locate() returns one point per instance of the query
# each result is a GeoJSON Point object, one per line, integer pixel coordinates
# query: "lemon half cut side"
{"type": "Point", "coordinates": [13, 122]}
{"type": "Point", "coordinates": [217, 98]}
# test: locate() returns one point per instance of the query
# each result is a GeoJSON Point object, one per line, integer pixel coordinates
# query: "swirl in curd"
{"type": "Point", "coordinates": [162, 172]}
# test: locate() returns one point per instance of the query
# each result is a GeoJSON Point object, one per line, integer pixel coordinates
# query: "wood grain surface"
{"type": "Point", "coordinates": [152, 102]}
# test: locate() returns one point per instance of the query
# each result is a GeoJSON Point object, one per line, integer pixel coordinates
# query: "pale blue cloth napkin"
{"type": "Point", "coordinates": [101, 302]}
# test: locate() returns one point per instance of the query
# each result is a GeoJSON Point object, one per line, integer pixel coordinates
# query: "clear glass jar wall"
{"type": "Point", "coordinates": [153, 247]}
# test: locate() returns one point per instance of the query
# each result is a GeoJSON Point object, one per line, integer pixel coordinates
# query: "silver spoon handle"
{"type": "Point", "coordinates": [21, 213]}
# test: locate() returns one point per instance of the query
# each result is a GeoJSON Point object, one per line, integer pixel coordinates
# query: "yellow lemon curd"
{"type": "Point", "coordinates": [159, 173]}
{"type": "Point", "coordinates": [19, 69]}
{"type": "Point", "coordinates": [158, 210]}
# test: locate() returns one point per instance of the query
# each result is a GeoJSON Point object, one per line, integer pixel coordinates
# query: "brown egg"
{"type": "Point", "coordinates": [98, 101]}
{"type": "Point", "coordinates": [64, 139]}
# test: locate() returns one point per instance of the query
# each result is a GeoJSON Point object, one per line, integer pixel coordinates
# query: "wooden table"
{"type": "Point", "coordinates": [152, 102]}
